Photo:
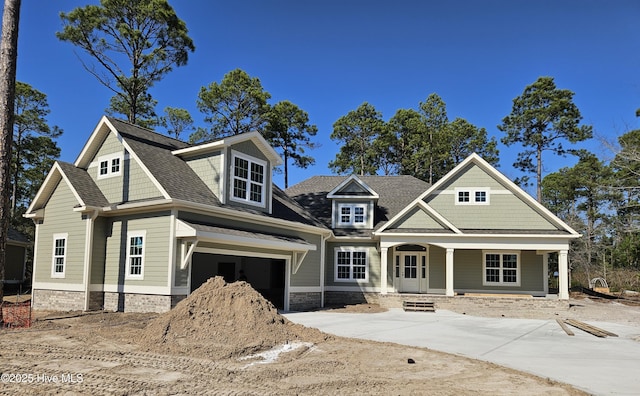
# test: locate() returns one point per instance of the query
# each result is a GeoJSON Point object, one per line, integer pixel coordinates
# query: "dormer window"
{"type": "Point", "coordinates": [472, 196]}
{"type": "Point", "coordinates": [248, 180]}
{"type": "Point", "coordinates": [109, 165]}
{"type": "Point", "coordinates": [354, 215]}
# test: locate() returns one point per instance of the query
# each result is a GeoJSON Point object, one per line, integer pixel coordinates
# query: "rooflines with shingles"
{"type": "Point", "coordinates": [395, 192]}
{"type": "Point", "coordinates": [84, 185]}
{"type": "Point", "coordinates": [181, 182]}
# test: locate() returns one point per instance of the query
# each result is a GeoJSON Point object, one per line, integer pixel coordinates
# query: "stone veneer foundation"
{"type": "Point", "coordinates": [461, 304]}
{"type": "Point", "coordinates": [61, 300]}
{"type": "Point", "coordinates": [57, 300]}
{"type": "Point", "coordinates": [304, 301]}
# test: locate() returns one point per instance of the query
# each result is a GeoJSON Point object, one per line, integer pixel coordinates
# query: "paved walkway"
{"type": "Point", "coordinates": [603, 366]}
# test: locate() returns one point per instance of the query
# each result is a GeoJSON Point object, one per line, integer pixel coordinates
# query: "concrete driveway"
{"type": "Point", "coordinates": [604, 366]}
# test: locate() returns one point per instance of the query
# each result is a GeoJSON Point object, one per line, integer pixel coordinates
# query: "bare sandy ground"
{"type": "Point", "coordinates": [123, 354]}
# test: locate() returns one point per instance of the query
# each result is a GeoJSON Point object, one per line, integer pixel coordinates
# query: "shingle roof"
{"type": "Point", "coordinates": [181, 182]}
{"type": "Point", "coordinates": [173, 174]}
{"type": "Point", "coordinates": [396, 192]}
{"type": "Point", "coordinates": [84, 185]}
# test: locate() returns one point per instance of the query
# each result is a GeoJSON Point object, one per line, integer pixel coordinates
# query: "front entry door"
{"type": "Point", "coordinates": [410, 280]}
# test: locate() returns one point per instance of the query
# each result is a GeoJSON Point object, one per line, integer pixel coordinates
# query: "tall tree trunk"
{"type": "Point", "coordinates": [539, 174]}
{"type": "Point", "coordinates": [8, 61]}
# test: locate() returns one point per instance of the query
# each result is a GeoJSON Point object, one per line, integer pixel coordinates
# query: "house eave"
{"type": "Point", "coordinates": [478, 236]}
{"type": "Point", "coordinates": [162, 204]}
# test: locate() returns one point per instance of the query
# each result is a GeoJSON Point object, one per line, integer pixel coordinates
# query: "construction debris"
{"type": "Point", "coordinates": [224, 320]}
{"type": "Point", "coordinates": [565, 327]}
{"type": "Point", "coordinates": [422, 306]}
{"type": "Point", "coordinates": [596, 331]}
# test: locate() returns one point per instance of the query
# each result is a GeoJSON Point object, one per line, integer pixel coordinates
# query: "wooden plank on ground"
{"type": "Point", "coordinates": [596, 331]}
{"type": "Point", "coordinates": [565, 327]}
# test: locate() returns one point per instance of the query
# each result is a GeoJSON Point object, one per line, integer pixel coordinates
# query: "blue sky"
{"type": "Point", "coordinates": [329, 56]}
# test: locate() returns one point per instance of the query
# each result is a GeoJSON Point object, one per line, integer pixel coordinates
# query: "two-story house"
{"type": "Point", "coordinates": [141, 220]}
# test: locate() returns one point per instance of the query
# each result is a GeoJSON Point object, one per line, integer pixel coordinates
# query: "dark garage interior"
{"type": "Point", "coordinates": [266, 275]}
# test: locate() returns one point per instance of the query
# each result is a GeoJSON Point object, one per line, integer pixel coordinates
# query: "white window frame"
{"type": "Point", "coordinates": [248, 181]}
{"type": "Point", "coordinates": [472, 195]}
{"type": "Point", "coordinates": [351, 250]}
{"type": "Point", "coordinates": [110, 159]}
{"type": "Point", "coordinates": [501, 269]}
{"type": "Point", "coordinates": [131, 235]}
{"type": "Point", "coordinates": [54, 256]}
{"type": "Point", "coordinates": [351, 222]}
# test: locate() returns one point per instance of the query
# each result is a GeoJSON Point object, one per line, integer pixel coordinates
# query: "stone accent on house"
{"type": "Point", "coordinates": [304, 301]}
{"type": "Point", "coordinates": [334, 298]}
{"type": "Point", "coordinates": [469, 304]}
{"type": "Point", "coordinates": [131, 302]}
{"type": "Point", "coordinates": [57, 300]}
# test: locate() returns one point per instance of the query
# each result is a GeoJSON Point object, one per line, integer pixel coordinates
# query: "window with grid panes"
{"type": "Point", "coordinates": [501, 269]}
{"type": "Point", "coordinates": [351, 264]}
{"type": "Point", "coordinates": [248, 180]}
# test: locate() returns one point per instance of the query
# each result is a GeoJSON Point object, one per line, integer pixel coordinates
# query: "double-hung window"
{"type": "Point", "coordinates": [135, 254]}
{"type": "Point", "coordinates": [351, 264]}
{"type": "Point", "coordinates": [248, 180]}
{"type": "Point", "coordinates": [59, 255]}
{"type": "Point", "coordinates": [352, 215]}
{"type": "Point", "coordinates": [501, 269]}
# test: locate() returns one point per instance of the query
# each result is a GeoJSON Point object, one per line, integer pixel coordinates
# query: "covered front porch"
{"type": "Point", "coordinates": [501, 265]}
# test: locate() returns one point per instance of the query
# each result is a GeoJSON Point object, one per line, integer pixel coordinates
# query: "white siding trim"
{"type": "Point", "coordinates": [110, 288]}
{"type": "Point", "coordinates": [305, 289]}
{"type": "Point", "coordinates": [264, 195]}
{"type": "Point", "coordinates": [133, 234]}
{"type": "Point", "coordinates": [364, 289]}
{"type": "Point", "coordinates": [55, 237]}
{"type": "Point", "coordinates": [79, 287]}
{"type": "Point", "coordinates": [501, 269]}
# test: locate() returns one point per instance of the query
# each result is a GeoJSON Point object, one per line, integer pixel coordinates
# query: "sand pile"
{"type": "Point", "coordinates": [222, 320]}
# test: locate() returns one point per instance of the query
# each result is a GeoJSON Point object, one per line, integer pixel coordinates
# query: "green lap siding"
{"type": "Point", "coordinates": [373, 267]}
{"type": "Point", "coordinates": [132, 184]}
{"type": "Point", "coordinates": [504, 211]}
{"type": "Point", "coordinates": [437, 264]}
{"type": "Point", "coordinates": [99, 250]}
{"type": "Point", "coordinates": [468, 272]}
{"type": "Point", "coordinates": [417, 218]}
{"type": "Point", "coordinates": [60, 218]}
{"type": "Point", "coordinates": [157, 243]}
{"type": "Point", "coordinates": [209, 168]}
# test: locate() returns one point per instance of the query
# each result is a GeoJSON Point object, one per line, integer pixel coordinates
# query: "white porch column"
{"type": "Point", "coordinates": [383, 270]}
{"type": "Point", "coordinates": [563, 275]}
{"type": "Point", "coordinates": [448, 274]}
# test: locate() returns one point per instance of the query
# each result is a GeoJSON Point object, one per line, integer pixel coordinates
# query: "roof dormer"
{"type": "Point", "coordinates": [352, 204]}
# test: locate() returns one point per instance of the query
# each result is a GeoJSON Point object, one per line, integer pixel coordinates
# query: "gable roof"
{"type": "Point", "coordinates": [155, 154]}
{"type": "Point", "coordinates": [254, 136]}
{"type": "Point", "coordinates": [475, 159]}
{"type": "Point", "coordinates": [81, 184]}
{"type": "Point", "coordinates": [351, 187]}
{"type": "Point", "coordinates": [395, 193]}
{"type": "Point", "coordinates": [171, 173]}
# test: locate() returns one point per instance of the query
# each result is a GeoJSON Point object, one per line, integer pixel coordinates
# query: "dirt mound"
{"type": "Point", "coordinates": [222, 320]}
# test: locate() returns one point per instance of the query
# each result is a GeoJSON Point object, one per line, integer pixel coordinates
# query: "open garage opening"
{"type": "Point", "coordinates": [266, 275]}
